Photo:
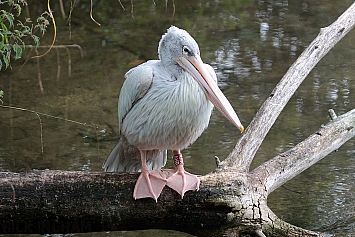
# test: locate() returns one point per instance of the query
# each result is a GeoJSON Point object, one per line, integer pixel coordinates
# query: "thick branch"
{"type": "Point", "coordinates": [67, 202]}
{"type": "Point", "coordinates": [246, 148]}
{"type": "Point", "coordinates": [284, 167]}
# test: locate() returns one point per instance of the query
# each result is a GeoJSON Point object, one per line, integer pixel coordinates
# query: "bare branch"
{"type": "Point", "coordinates": [247, 146]}
{"type": "Point", "coordinates": [284, 167]}
{"type": "Point", "coordinates": [92, 18]}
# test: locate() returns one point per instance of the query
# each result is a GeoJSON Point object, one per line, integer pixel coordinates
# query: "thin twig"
{"type": "Point", "coordinates": [173, 8]}
{"type": "Point", "coordinates": [62, 9]}
{"type": "Point", "coordinates": [48, 115]}
{"type": "Point", "coordinates": [55, 117]}
{"type": "Point", "coordinates": [69, 61]}
{"type": "Point", "coordinates": [332, 114]}
{"type": "Point", "coordinates": [41, 132]}
{"type": "Point", "coordinates": [121, 4]}
{"type": "Point", "coordinates": [31, 47]}
{"type": "Point", "coordinates": [54, 34]}
{"type": "Point", "coordinates": [58, 63]}
{"type": "Point", "coordinates": [92, 18]}
{"type": "Point", "coordinates": [57, 46]}
{"type": "Point", "coordinates": [72, 4]}
{"type": "Point", "coordinates": [217, 160]}
{"type": "Point", "coordinates": [166, 6]}
{"type": "Point", "coordinates": [39, 73]}
{"type": "Point", "coordinates": [132, 9]}
{"type": "Point", "coordinates": [28, 57]}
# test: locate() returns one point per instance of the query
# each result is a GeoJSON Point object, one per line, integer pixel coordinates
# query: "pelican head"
{"type": "Point", "coordinates": [178, 51]}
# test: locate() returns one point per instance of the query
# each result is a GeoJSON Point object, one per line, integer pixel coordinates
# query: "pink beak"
{"type": "Point", "coordinates": [196, 68]}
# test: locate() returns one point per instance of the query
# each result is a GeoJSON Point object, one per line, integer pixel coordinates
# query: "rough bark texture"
{"type": "Point", "coordinates": [328, 138]}
{"type": "Point", "coordinates": [231, 201]}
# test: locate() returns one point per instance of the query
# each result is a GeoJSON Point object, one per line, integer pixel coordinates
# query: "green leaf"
{"type": "Point", "coordinates": [18, 8]}
{"type": "Point", "coordinates": [25, 29]}
{"type": "Point", "coordinates": [5, 57]}
{"type": "Point", "coordinates": [10, 19]}
{"type": "Point", "coordinates": [16, 28]}
{"type": "Point", "coordinates": [18, 51]}
{"type": "Point", "coordinates": [36, 40]}
{"type": "Point", "coordinates": [1, 91]}
{"type": "Point", "coordinates": [7, 47]}
{"type": "Point", "coordinates": [3, 26]}
{"type": "Point", "coordinates": [6, 32]}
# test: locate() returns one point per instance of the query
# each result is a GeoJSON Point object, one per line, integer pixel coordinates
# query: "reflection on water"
{"type": "Point", "coordinates": [250, 44]}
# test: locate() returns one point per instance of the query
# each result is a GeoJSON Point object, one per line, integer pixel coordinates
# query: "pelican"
{"type": "Point", "coordinates": [165, 104]}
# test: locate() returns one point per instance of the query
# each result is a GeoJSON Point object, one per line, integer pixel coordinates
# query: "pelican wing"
{"type": "Point", "coordinates": [124, 156]}
{"type": "Point", "coordinates": [138, 81]}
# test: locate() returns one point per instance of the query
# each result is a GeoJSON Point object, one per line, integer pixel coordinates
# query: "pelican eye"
{"type": "Point", "coordinates": [187, 51]}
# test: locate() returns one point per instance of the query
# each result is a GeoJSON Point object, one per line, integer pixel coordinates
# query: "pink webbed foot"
{"type": "Point", "coordinates": [180, 180]}
{"type": "Point", "coordinates": [150, 183]}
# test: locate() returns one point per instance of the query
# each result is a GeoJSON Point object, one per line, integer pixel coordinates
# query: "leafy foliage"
{"type": "Point", "coordinates": [15, 29]}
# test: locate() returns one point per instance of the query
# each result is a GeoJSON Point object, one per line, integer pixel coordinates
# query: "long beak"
{"type": "Point", "coordinates": [195, 66]}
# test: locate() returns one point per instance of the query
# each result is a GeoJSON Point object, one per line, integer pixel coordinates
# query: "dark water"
{"type": "Point", "coordinates": [251, 44]}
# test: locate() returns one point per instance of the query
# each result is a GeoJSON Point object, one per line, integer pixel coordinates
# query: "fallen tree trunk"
{"type": "Point", "coordinates": [232, 201]}
{"type": "Point", "coordinates": [227, 202]}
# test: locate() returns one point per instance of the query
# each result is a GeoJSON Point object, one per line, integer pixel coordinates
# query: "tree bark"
{"type": "Point", "coordinates": [231, 201]}
{"type": "Point", "coordinates": [289, 164]}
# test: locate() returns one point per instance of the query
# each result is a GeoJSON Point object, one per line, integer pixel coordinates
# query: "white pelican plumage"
{"type": "Point", "coordinates": [165, 105]}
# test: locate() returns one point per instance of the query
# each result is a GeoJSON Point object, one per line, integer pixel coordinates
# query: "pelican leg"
{"type": "Point", "coordinates": [182, 181]}
{"type": "Point", "coordinates": [150, 183]}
